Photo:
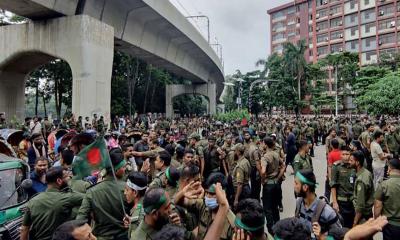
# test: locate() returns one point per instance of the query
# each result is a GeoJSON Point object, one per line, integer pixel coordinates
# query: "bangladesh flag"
{"type": "Point", "coordinates": [92, 158]}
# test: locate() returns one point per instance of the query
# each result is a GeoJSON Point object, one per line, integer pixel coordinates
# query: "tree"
{"type": "Point", "coordinates": [383, 96]}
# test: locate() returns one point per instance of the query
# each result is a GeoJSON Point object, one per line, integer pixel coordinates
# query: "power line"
{"type": "Point", "coordinates": [188, 14]}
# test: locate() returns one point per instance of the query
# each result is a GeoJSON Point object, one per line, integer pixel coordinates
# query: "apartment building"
{"type": "Point", "coordinates": [367, 27]}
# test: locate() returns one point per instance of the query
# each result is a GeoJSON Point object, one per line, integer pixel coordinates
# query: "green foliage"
{"type": "Point", "coordinates": [190, 104]}
{"type": "Point", "coordinates": [233, 116]}
{"type": "Point", "coordinates": [383, 96]}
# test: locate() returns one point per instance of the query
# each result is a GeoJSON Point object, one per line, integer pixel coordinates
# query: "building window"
{"type": "Point", "coordinates": [368, 55]}
{"type": "Point", "coordinates": [336, 22]}
{"type": "Point", "coordinates": [354, 31]}
{"type": "Point", "coordinates": [366, 2]}
{"type": "Point", "coordinates": [368, 41]}
{"type": "Point", "coordinates": [336, 35]}
{"type": "Point", "coordinates": [366, 15]}
{"type": "Point", "coordinates": [352, 4]}
{"type": "Point", "coordinates": [322, 50]}
{"type": "Point", "coordinates": [387, 38]}
{"type": "Point", "coordinates": [353, 44]}
{"type": "Point", "coordinates": [353, 18]}
{"type": "Point", "coordinates": [367, 28]}
{"type": "Point", "coordinates": [322, 38]}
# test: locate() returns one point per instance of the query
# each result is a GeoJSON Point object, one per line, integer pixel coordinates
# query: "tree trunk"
{"type": "Point", "coordinates": [44, 105]}
{"type": "Point", "coordinates": [147, 90]}
{"type": "Point", "coordinates": [135, 78]}
{"type": "Point", "coordinates": [37, 97]}
{"type": "Point", "coordinates": [129, 80]}
{"type": "Point", "coordinates": [152, 96]}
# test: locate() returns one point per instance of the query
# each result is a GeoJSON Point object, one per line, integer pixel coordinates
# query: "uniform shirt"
{"type": "Point", "coordinates": [251, 153]}
{"type": "Point", "coordinates": [357, 130]}
{"type": "Point", "coordinates": [343, 178]}
{"type": "Point", "coordinates": [160, 182]}
{"type": "Point", "coordinates": [392, 143]}
{"type": "Point", "coordinates": [102, 202]}
{"type": "Point", "coordinates": [375, 151]}
{"type": "Point", "coordinates": [204, 215]}
{"type": "Point", "coordinates": [301, 163]}
{"type": "Point", "coordinates": [363, 192]}
{"type": "Point", "coordinates": [47, 210]}
{"type": "Point", "coordinates": [143, 232]}
{"type": "Point", "coordinates": [241, 173]}
{"type": "Point", "coordinates": [388, 192]}
{"type": "Point", "coordinates": [136, 216]}
{"type": "Point", "coordinates": [272, 162]}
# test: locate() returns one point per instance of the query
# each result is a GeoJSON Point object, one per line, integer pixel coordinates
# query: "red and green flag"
{"type": "Point", "coordinates": [92, 158]}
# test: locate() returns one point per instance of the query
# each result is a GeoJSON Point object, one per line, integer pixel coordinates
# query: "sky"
{"type": "Point", "coordinates": [240, 26]}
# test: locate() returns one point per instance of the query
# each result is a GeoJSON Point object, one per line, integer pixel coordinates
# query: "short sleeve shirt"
{"type": "Point", "coordinates": [376, 150]}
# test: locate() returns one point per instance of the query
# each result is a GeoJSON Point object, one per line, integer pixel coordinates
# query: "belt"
{"type": "Point", "coordinates": [271, 181]}
{"type": "Point", "coordinates": [344, 199]}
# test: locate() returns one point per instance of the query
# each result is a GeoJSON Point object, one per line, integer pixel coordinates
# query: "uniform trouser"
{"type": "Point", "coordinates": [327, 189]}
{"type": "Point", "coordinates": [310, 139]}
{"type": "Point", "coordinates": [346, 210]}
{"type": "Point", "coordinates": [280, 195]}
{"type": "Point", "coordinates": [391, 231]}
{"type": "Point", "coordinates": [255, 184]}
{"type": "Point", "coordinates": [270, 204]}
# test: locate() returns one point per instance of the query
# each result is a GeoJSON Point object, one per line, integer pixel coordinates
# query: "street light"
{"type": "Point", "coordinates": [208, 24]}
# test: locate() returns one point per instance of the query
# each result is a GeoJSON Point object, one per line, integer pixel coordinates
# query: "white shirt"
{"type": "Point", "coordinates": [376, 150]}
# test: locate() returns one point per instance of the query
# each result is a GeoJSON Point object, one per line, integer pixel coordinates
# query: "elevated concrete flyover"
{"type": "Point", "coordinates": [153, 30]}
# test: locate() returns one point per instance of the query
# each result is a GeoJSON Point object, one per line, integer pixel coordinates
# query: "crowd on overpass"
{"type": "Point", "coordinates": [199, 178]}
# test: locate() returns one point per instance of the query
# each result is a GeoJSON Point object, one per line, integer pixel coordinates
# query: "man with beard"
{"type": "Point", "coordinates": [102, 204]}
{"type": "Point", "coordinates": [127, 149]}
{"type": "Point", "coordinates": [46, 211]}
{"type": "Point", "coordinates": [141, 146]}
{"type": "Point", "coordinates": [157, 208]}
{"type": "Point", "coordinates": [309, 207]}
{"type": "Point", "coordinates": [212, 161]}
{"type": "Point", "coordinates": [37, 149]}
{"type": "Point", "coordinates": [38, 177]}
{"type": "Point", "coordinates": [253, 155]}
{"type": "Point", "coordinates": [136, 186]}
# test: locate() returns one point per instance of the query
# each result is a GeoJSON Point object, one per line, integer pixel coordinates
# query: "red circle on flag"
{"type": "Point", "coordinates": [94, 156]}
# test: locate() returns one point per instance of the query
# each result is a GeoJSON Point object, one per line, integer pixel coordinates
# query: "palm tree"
{"type": "Point", "coordinates": [295, 62]}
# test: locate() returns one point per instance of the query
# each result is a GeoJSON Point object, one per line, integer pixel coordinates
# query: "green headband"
{"type": "Point", "coordinates": [120, 165]}
{"type": "Point", "coordinates": [240, 224]}
{"type": "Point", "coordinates": [161, 201]}
{"type": "Point", "coordinates": [167, 174]}
{"type": "Point", "coordinates": [304, 179]}
{"type": "Point", "coordinates": [211, 189]}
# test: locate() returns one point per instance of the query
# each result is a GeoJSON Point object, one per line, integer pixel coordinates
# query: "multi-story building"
{"type": "Point", "coordinates": [368, 27]}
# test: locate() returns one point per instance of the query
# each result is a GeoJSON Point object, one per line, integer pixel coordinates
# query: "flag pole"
{"type": "Point", "coordinates": [115, 180]}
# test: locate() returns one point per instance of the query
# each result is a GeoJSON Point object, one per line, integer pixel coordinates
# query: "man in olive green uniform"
{"type": "Point", "coordinates": [272, 171]}
{"type": "Point", "coordinates": [157, 208]}
{"type": "Point", "coordinates": [136, 186]}
{"type": "Point", "coordinates": [254, 156]}
{"type": "Point", "coordinates": [302, 160]}
{"type": "Point", "coordinates": [241, 175]}
{"type": "Point", "coordinates": [206, 209]}
{"type": "Point", "coordinates": [357, 129]}
{"type": "Point", "coordinates": [342, 187]}
{"type": "Point", "coordinates": [387, 201]}
{"type": "Point", "coordinates": [392, 140]}
{"type": "Point", "coordinates": [3, 123]}
{"type": "Point", "coordinates": [195, 145]}
{"type": "Point", "coordinates": [309, 133]}
{"type": "Point", "coordinates": [363, 197]}
{"type": "Point", "coordinates": [102, 204]}
{"type": "Point", "coordinates": [47, 210]}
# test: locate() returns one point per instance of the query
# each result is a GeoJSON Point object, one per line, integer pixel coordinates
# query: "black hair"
{"type": "Point", "coordinates": [82, 139]}
{"type": "Point", "coordinates": [139, 179]}
{"type": "Point", "coordinates": [67, 156]}
{"type": "Point", "coordinates": [64, 231]}
{"type": "Point", "coordinates": [126, 146]}
{"type": "Point", "coordinates": [330, 130]}
{"type": "Point", "coordinates": [170, 232]}
{"type": "Point", "coordinates": [152, 197]}
{"type": "Point", "coordinates": [155, 141]}
{"type": "Point", "coordinates": [252, 214]}
{"type": "Point", "coordinates": [377, 134]}
{"type": "Point", "coordinates": [310, 176]}
{"type": "Point", "coordinates": [180, 152]}
{"type": "Point", "coordinates": [190, 171]}
{"type": "Point", "coordinates": [302, 143]}
{"type": "Point", "coordinates": [42, 159]}
{"type": "Point", "coordinates": [174, 176]}
{"type": "Point", "coordinates": [262, 135]}
{"type": "Point", "coordinates": [116, 157]}
{"type": "Point", "coordinates": [165, 157]}
{"type": "Point", "coordinates": [215, 178]}
{"type": "Point", "coordinates": [359, 157]}
{"type": "Point", "coordinates": [54, 173]}
{"type": "Point", "coordinates": [170, 149]}
{"type": "Point", "coordinates": [345, 148]}
{"type": "Point", "coordinates": [335, 143]}
{"type": "Point", "coordinates": [122, 137]}
{"type": "Point", "coordinates": [368, 125]}
{"type": "Point", "coordinates": [394, 163]}
{"type": "Point", "coordinates": [269, 142]}
{"type": "Point", "coordinates": [356, 144]}
{"type": "Point", "coordinates": [292, 229]}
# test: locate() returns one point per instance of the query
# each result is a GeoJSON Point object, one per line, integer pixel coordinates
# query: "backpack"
{"type": "Point", "coordinates": [322, 202]}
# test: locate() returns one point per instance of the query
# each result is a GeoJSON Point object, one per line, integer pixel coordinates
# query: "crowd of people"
{"type": "Point", "coordinates": [198, 178]}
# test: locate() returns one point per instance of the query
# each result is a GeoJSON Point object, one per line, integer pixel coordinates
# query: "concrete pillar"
{"type": "Point", "coordinates": [208, 90]}
{"type": "Point", "coordinates": [85, 43]}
